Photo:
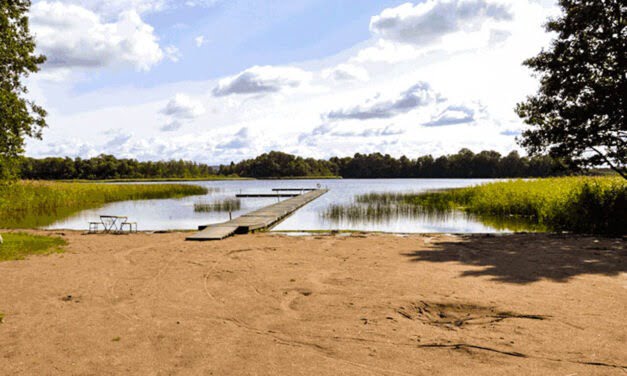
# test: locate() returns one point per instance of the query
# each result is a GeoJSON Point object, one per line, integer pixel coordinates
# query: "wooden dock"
{"type": "Point", "coordinates": [241, 195]}
{"type": "Point", "coordinates": [293, 189]}
{"type": "Point", "coordinates": [260, 219]}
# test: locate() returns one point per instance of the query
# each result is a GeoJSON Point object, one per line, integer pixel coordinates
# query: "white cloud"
{"type": "Point", "coordinates": [452, 115]}
{"type": "Point", "coordinates": [75, 37]}
{"type": "Point", "coordinates": [336, 131]}
{"type": "Point", "coordinates": [261, 80]}
{"type": "Point", "coordinates": [183, 107]}
{"type": "Point", "coordinates": [242, 139]}
{"type": "Point", "coordinates": [426, 23]}
{"type": "Point", "coordinates": [416, 96]}
{"type": "Point", "coordinates": [200, 3]}
{"type": "Point", "coordinates": [199, 40]}
{"type": "Point", "coordinates": [346, 72]}
{"type": "Point", "coordinates": [181, 110]}
{"type": "Point", "coordinates": [172, 53]}
{"type": "Point", "coordinates": [172, 126]}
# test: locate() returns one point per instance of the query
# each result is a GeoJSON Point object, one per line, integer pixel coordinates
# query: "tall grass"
{"type": "Point", "coordinates": [30, 204]}
{"type": "Point", "coordinates": [577, 204]}
{"type": "Point", "coordinates": [226, 205]}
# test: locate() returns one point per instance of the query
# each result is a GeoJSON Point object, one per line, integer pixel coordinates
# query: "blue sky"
{"type": "Point", "coordinates": [218, 80]}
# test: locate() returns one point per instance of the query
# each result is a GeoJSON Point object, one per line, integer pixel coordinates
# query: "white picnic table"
{"type": "Point", "coordinates": [113, 223]}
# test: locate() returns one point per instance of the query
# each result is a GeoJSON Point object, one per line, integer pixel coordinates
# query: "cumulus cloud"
{"type": "Point", "coordinates": [241, 139]}
{"type": "Point", "coordinates": [452, 115]}
{"type": "Point", "coordinates": [427, 22]}
{"type": "Point", "coordinates": [262, 80]}
{"type": "Point", "coordinates": [75, 37]}
{"type": "Point", "coordinates": [183, 107]}
{"type": "Point", "coordinates": [416, 96]}
{"type": "Point", "coordinates": [346, 72]}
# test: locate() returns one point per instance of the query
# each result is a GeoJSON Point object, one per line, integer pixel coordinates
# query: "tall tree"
{"type": "Point", "coordinates": [578, 114]}
{"type": "Point", "coordinates": [19, 116]}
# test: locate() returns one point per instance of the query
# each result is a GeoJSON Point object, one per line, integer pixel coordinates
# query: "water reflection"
{"type": "Point", "coordinates": [180, 214]}
{"type": "Point", "coordinates": [386, 213]}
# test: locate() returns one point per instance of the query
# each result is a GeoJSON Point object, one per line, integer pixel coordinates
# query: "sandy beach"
{"type": "Point", "coordinates": [342, 304]}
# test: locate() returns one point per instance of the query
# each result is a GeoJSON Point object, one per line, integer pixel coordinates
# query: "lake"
{"type": "Point", "coordinates": [178, 214]}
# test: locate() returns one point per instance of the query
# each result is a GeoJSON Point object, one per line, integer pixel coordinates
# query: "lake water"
{"type": "Point", "coordinates": [178, 214]}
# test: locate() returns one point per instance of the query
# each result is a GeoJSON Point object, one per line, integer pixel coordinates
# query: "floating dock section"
{"type": "Point", "coordinates": [260, 219]}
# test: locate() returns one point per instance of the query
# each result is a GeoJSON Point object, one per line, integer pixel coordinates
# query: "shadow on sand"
{"type": "Point", "coordinates": [527, 258]}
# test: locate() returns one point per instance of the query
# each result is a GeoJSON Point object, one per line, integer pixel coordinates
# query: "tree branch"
{"type": "Point", "coordinates": [615, 168]}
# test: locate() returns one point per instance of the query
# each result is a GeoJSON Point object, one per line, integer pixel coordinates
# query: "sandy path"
{"type": "Point", "coordinates": [338, 305]}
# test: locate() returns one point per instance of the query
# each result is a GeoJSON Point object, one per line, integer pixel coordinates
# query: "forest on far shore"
{"type": "Point", "coordinates": [464, 164]}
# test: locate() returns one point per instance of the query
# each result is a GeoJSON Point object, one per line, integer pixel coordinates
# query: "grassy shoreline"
{"type": "Point", "coordinates": [33, 204]}
{"type": "Point", "coordinates": [152, 180]}
{"type": "Point", "coordinates": [574, 204]}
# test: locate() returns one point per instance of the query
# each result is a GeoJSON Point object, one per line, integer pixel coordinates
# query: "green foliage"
{"type": "Point", "coordinates": [17, 246]}
{"type": "Point", "coordinates": [107, 167]}
{"type": "Point", "coordinates": [465, 164]}
{"type": "Point", "coordinates": [19, 117]}
{"type": "Point", "coordinates": [29, 204]}
{"type": "Point", "coordinates": [578, 204]}
{"type": "Point", "coordinates": [278, 164]}
{"type": "Point", "coordinates": [579, 112]}
{"type": "Point", "coordinates": [226, 205]}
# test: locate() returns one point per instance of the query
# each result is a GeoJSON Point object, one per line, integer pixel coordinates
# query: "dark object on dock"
{"type": "Point", "coordinates": [293, 189]}
{"type": "Point", "coordinates": [241, 195]}
{"type": "Point", "coordinates": [261, 219]}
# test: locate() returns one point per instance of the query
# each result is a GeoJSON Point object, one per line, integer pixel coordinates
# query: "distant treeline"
{"type": "Point", "coordinates": [109, 167]}
{"type": "Point", "coordinates": [464, 164]}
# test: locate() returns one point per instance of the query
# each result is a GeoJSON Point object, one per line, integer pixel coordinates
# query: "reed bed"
{"type": "Point", "coordinates": [371, 212]}
{"type": "Point", "coordinates": [225, 205]}
{"type": "Point", "coordinates": [30, 204]}
{"type": "Point", "coordinates": [576, 204]}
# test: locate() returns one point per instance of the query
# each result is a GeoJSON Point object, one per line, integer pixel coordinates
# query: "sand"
{"type": "Point", "coordinates": [360, 304]}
